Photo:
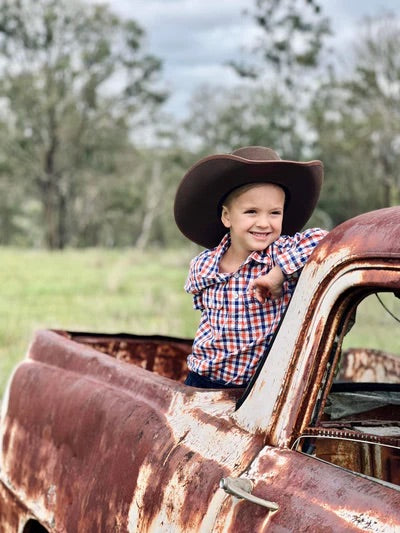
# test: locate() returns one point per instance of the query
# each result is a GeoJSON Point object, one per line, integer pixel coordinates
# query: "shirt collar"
{"type": "Point", "coordinates": [211, 267]}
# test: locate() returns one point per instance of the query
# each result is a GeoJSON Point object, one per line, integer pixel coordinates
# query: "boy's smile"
{"type": "Point", "coordinates": [254, 218]}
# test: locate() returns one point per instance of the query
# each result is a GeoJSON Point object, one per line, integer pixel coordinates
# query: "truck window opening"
{"type": "Point", "coordinates": [357, 425]}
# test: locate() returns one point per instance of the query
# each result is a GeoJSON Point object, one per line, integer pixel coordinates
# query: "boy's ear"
{"type": "Point", "coordinates": [225, 217]}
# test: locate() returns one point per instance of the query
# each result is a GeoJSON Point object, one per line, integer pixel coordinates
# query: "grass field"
{"type": "Point", "coordinates": [123, 291]}
{"type": "Point", "coordinates": [90, 290]}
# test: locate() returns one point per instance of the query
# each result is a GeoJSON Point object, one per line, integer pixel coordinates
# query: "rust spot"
{"type": "Point", "coordinates": [164, 355]}
{"type": "Point", "coordinates": [373, 366]}
{"type": "Point", "coordinates": [356, 237]}
{"type": "Point", "coordinates": [86, 455]}
{"type": "Point", "coordinates": [312, 496]}
{"type": "Point", "coordinates": [97, 428]}
{"type": "Point", "coordinates": [13, 512]}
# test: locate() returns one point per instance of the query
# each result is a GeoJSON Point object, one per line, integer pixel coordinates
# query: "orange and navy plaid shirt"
{"type": "Point", "coordinates": [235, 329]}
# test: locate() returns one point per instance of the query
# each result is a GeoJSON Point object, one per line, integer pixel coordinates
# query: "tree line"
{"type": "Point", "coordinates": [79, 93]}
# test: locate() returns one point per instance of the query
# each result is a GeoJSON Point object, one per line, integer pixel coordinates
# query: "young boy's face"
{"type": "Point", "coordinates": [254, 217]}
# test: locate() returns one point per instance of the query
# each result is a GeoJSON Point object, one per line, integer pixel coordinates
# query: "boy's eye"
{"type": "Point", "coordinates": [250, 211]}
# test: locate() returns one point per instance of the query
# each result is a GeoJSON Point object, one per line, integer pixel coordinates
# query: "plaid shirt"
{"type": "Point", "coordinates": [235, 329]}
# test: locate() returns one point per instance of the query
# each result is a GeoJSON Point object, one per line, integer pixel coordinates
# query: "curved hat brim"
{"type": "Point", "coordinates": [199, 195]}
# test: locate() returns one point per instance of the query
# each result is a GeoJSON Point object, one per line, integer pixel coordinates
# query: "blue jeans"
{"type": "Point", "coordinates": [196, 380]}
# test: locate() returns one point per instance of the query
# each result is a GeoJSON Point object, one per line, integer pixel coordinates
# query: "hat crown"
{"type": "Point", "coordinates": [257, 153]}
{"type": "Point", "coordinates": [198, 198]}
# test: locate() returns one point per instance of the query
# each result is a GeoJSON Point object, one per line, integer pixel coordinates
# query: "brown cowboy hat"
{"type": "Point", "coordinates": [207, 183]}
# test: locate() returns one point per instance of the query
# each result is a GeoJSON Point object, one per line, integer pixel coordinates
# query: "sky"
{"type": "Point", "coordinates": [196, 38]}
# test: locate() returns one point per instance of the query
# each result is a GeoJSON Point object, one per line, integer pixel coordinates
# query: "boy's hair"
{"type": "Point", "coordinates": [227, 200]}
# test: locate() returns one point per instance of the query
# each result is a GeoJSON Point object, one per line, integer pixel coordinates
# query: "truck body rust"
{"type": "Point", "coordinates": [99, 433]}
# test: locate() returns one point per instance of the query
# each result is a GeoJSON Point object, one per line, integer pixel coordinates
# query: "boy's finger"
{"type": "Point", "coordinates": [261, 295]}
{"type": "Point", "coordinates": [259, 298]}
{"type": "Point", "coordinates": [252, 288]}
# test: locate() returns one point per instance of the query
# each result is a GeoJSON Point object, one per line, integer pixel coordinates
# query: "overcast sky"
{"type": "Point", "coordinates": [194, 38]}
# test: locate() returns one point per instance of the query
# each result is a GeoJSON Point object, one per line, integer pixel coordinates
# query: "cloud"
{"type": "Point", "coordinates": [196, 38]}
{"type": "Point", "coordinates": [191, 29]}
{"type": "Point", "coordinates": [197, 14]}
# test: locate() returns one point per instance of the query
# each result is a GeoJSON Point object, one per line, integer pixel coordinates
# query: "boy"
{"type": "Point", "coordinates": [247, 208]}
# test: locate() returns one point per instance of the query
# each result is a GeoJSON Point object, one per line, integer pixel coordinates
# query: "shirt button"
{"type": "Point", "coordinates": [236, 295]}
{"type": "Point", "coordinates": [236, 275]}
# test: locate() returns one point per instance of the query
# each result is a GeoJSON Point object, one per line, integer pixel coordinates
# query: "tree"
{"type": "Point", "coordinates": [290, 55]}
{"type": "Point", "coordinates": [221, 121]}
{"type": "Point", "coordinates": [356, 121]}
{"type": "Point", "coordinates": [291, 39]}
{"type": "Point", "coordinates": [74, 81]}
{"type": "Point", "coordinates": [374, 92]}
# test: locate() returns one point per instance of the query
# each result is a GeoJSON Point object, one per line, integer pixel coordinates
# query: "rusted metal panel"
{"type": "Point", "coordinates": [370, 235]}
{"type": "Point", "coordinates": [165, 356]}
{"type": "Point", "coordinates": [109, 446]}
{"type": "Point", "coordinates": [13, 513]}
{"type": "Point", "coordinates": [168, 453]}
{"type": "Point", "coordinates": [368, 458]}
{"type": "Point", "coordinates": [373, 366]}
{"type": "Point", "coordinates": [113, 447]}
{"type": "Point", "coordinates": [312, 496]}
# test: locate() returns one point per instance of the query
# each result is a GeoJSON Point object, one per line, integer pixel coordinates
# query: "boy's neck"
{"type": "Point", "coordinates": [232, 260]}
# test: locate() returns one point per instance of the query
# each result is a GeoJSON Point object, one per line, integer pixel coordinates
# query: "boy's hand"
{"type": "Point", "coordinates": [269, 285]}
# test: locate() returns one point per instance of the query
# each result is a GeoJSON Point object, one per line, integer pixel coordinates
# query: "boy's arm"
{"type": "Point", "coordinates": [291, 258]}
{"type": "Point", "coordinates": [268, 286]}
{"type": "Point", "coordinates": [293, 254]}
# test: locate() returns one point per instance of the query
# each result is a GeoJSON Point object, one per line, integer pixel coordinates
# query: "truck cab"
{"type": "Point", "coordinates": [99, 433]}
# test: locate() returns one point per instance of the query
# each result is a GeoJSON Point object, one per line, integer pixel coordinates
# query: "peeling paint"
{"type": "Point", "coordinates": [111, 439]}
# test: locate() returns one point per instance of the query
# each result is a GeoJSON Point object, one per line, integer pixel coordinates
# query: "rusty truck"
{"type": "Point", "coordinates": [99, 434]}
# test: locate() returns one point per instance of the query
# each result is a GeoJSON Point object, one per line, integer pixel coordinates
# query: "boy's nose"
{"type": "Point", "coordinates": [263, 222]}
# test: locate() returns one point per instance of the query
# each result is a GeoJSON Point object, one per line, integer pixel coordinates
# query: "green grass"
{"type": "Point", "coordinates": [128, 291]}
{"type": "Point", "coordinates": [90, 290]}
{"type": "Point", "coordinates": [375, 327]}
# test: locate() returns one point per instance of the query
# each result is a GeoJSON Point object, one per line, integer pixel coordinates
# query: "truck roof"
{"type": "Point", "coordinates": [371, 234]}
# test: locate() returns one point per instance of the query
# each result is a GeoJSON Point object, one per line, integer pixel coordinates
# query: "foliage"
{"type": "Point", "coordinates": [224, 120]}
{"type": "Point", "coordinates": [74, 81]}
{"type": "Point", "coordinates": [291, 39]}
{"type": "Point", "coordinates": [87, 157]}
{"type": "Point", "coordinates": [356, 122]}
{"type": "Point", "coordinates": [374, 91]}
